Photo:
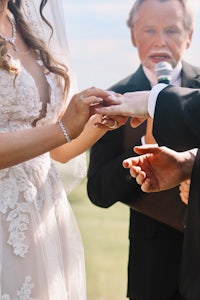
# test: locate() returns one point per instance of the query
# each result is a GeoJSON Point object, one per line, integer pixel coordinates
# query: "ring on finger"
{"type": "Point", "coordinates": [81, 96]}
{"type": "Point", "coordinates": [114, 126]}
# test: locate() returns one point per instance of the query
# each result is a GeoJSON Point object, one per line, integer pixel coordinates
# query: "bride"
{"type": "Point", "coordinates": [41, 254]}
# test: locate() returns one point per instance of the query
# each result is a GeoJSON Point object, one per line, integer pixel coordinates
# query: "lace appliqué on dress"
{"type": "Point", "coordinates": [12, 187]}
{"type": "Point", "coordinates": [17, 190]}
{"type": "Point", "coordinates": [24, 293]}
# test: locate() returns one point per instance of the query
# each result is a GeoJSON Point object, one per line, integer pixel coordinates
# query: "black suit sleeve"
{"type": "Point", "coordinates": [177, 117]}
{"type": "Point", "coordinates": [177, 120]}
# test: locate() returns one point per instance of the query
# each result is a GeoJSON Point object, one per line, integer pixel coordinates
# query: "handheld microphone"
{"type": "Point", "coordinates": [163, 71]}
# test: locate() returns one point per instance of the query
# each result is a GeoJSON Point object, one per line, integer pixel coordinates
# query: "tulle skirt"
{"type": "Point", "coordinates": [41, 252]}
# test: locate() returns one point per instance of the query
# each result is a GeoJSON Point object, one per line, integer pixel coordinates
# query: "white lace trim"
{"type": "Point", "coordinates": [12, 187]}
{"type": "Point", "coordinates": [24, 293]}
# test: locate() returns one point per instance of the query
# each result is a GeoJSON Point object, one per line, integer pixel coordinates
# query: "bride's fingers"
{"type": "Point", "coordinates": [108, 124]}
{"type": "Point", "coordinates": [99, 93]}
{"type": "Point", "coordinates": [111, 123]}
{"type": "Point", "coordinates": [92, 100]}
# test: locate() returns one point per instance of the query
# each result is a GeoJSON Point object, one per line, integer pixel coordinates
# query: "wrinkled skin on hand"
{"type": "Point", "coordinates": [159, 168]}
{"type": "Point", "coordinates": [133, 104]}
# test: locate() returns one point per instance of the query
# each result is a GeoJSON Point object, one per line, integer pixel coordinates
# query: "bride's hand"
{"type": "Point", "coordinates": [78, 111]}
{"type": "Point", "coordinates": [111, 123]}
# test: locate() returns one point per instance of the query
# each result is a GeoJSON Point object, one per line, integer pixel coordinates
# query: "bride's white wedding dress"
{"type": "Point", "coordinates": [41, 254]}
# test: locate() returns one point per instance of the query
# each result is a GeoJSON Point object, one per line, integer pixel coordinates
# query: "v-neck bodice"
{"type": "Point", "coordinates": [20, 103]}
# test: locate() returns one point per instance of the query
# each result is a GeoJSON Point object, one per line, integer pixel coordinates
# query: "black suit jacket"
{"type": "Point", "coordinates": [109, 182]}
{"type": "Point", "coordinates": [183, 106]}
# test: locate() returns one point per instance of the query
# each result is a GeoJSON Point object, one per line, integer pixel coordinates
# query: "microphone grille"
{"type": "Point", "coordinates": [163, 71]}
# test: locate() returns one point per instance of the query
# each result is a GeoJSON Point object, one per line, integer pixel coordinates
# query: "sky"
{"type": "Point", "coordinates": [100, 43]}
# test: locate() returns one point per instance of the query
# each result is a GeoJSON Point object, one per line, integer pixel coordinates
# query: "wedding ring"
{"type": "Point", "coordinates": [81, 97]}
{"type": "Point", "coordinates": [114, 126]}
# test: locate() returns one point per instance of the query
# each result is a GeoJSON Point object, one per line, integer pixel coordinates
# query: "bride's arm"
{"type": "Point", "coordinates": [94, 129]}
{"type": "Point", "coordinates": [83, 142]}
{"type": "Point", "coordinates": [17, 147]}
{"type": "Point", "coordinates": [26, 144]}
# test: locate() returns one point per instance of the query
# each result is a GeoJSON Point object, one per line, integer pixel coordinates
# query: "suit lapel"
{"type": "Point", "coordinates": [138, 81]}
{"type": "Point", "coordinates": [190, 76]}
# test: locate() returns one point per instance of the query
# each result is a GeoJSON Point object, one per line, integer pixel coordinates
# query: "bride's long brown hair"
{"type": "Point", "coordinates": [36, 44]}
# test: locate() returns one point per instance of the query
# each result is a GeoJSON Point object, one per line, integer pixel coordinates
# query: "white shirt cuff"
{"type": "Point", "coordinates": [153, 98]}
{"type": "Point", "coordinates": [193, 151]}
{"type": "Point", "coordinates": [143, 140]}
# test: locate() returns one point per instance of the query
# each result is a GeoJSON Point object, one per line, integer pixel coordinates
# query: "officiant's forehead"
{"type": "Point", "coordinates": [188, 20]}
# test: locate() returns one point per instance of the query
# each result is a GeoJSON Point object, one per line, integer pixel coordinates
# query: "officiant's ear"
{"type": "Point", "coordinates": [133, 38]}
{"type": "Point", "coordinates": [189, 39]}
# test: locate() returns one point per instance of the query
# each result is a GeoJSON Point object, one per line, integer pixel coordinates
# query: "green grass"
{"type": "Point", "coordinates": [105, 239]}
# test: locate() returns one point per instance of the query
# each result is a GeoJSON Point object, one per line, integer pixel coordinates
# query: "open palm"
{"type": "Point", "coordinates": [159, 168]}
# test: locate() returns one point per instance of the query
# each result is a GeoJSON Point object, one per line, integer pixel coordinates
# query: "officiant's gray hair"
{"type": "Point", "coordinates": [188, 20]}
